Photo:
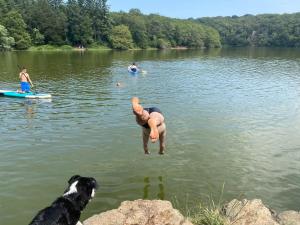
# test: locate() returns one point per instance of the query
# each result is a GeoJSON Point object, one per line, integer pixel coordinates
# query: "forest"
{"type": "Point", "coordinates": [89, 23]}
{"type": "Point", "coordinates": [265, 30]}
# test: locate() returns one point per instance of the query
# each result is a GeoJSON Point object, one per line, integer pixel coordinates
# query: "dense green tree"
{"type": "Point", "coordinates": [37, 37]}
{"type": "Point", "coordinates": [84, 22]}
{"type": "Point", "coordinates": [101, 21]}
{"type": "Point", "coordinates": [260, 30]}
{"type": "Point", "coordinates": [6, 42]}
{"type": "Point", "coordinates": [50, 21]}
{"type": "Point", "coordinates": [6, 6]}
{"type": "Point", "coordinates": [121, 38]}
{"type": "Point", "coordinates": [155, 28]}
{"type": "Point", "coordinates": [162, 32]}
{"type": "Point", "coordinates": [79, 25]}
{"type": "Point", "coordinates": [16, 27]}
{"type": "Point", "coordinates": [137, 27]}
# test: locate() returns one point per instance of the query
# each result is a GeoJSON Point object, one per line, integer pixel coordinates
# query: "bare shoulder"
{"type": "Point", "coordinates": [157, 116]}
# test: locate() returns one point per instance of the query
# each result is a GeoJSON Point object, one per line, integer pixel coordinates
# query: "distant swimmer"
{"type": "Point", "coordinates": [25, 81]}
{"type": "Point", "coordinates": [133, 68]}
{"type": "Point", "coordinates": [120, 84]}
{"type": "Point", "coordinates": [153, 124]}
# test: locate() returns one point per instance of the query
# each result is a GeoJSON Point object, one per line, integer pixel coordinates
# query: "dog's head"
{"type": "Point", "coordinates": [81, 190]}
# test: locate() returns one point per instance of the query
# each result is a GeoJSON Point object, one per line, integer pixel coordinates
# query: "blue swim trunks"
{"type": "Point", "coordinates": [25, 86]}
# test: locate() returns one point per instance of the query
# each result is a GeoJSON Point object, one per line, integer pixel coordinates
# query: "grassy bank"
{"type": "Point", "coordinates": [208, 212]}
{"type": "Point", "coordinates": [66, 48]}
{"type": "Point", "coordinates": [89, 48]}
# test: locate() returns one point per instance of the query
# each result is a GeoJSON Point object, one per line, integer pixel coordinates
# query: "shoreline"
{"type": "Point", "coordinates": [161, 212]}
{"type": "Point", "coordinates": [68, 48]}
{"type": "Point", "coordinates": [99, 48]}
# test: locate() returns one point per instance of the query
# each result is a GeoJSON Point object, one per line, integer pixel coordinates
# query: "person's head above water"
{"type": "Point", "coordinates": [133, 63]}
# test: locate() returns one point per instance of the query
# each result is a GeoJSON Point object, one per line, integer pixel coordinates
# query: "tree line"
{"type": "Point", "coordinates": [261, 30]}
{"type": "Point", "coordinates": [26, 23]}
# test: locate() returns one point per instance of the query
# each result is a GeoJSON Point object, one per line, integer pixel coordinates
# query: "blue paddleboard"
{"type": "Point", "coordinates": [15, 94]}
{"type": "Point", "coordinates": [133, 72]}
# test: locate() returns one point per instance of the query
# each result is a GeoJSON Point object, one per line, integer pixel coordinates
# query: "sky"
{"type": "Point", "coordinates": [199, 8]}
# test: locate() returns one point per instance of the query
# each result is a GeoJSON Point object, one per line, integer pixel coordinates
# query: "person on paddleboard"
{"type": "Point", "coordinates": [25, 81]}
{"type": "Point", "coordinates": [133, 68]}
{"type": "Point", "coordinates": [153, 125]}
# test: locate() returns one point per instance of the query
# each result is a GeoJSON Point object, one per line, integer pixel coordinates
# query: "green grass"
{"type": "Point", "coordinates": [206, 215]}
{"type": "Point", "coordinates": [51, 48]}
{"type": "Point", "coordinates": [209, 214]}
{"type": "Point", "coordinates": [97, 47]}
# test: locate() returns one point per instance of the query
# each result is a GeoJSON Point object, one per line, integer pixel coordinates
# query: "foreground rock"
{"type": "Point", "coordinates": [140, 212]}
{"type": "Point", "coordinates": [254, 212]}
{"type": "Point", "coordinates": [289, 218]}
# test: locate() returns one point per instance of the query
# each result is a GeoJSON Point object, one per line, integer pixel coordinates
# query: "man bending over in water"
{"type": "Point", "coordinates": [25, 80]}
{"type": "Point", "coordinates": [153, 125]}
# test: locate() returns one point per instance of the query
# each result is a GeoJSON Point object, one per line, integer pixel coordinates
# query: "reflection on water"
{"type": "Point", "coordinates": [30, 108]}
{"type": "Point", "coordinates": [233, 117]}
{"type": "Point", "coordinates": [147, 188]}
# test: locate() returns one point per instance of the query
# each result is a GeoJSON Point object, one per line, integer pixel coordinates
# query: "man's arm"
{"type": "Point", "coordinates": [30, 81]}
{"type": "Point", "coordinates": [155, 120]}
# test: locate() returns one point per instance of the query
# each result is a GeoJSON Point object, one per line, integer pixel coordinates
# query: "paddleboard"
{"type": "Point", "coordinates": [15, 94]}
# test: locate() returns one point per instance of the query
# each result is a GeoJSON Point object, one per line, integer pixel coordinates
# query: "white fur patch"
{"type": "Point", "coordinates": [78, 223]}
{"type": "Point", "coordinates": [72, 189]}
{"type": "Point", "coordinates": [93, 193]}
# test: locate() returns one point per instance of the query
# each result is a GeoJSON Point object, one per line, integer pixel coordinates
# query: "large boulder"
{"type": "Point", "coordinates": [249, 212]}
{"type": "Point", "coordinates": [289, 218]}
{"type": "Point", "coordinates": [140, 212]}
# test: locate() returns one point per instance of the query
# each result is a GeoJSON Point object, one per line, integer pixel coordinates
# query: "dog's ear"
{"type": "Point", "coordinates": [74, 178]}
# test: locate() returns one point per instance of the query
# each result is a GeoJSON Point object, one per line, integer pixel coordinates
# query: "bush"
{"type": "Point", "coordinates": [66, 47]}
{"type": "Point", "coordinates": [163, 44]}
{"type": "Point", "coordinates": [5, 40]}
{"type": "Point", "coordinates": [207, 216]}
{"type": "Point", "coordinates": [121, 38]}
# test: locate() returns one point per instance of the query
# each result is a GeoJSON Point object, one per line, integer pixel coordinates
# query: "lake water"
{"type": "Point", "coordinates": [233, 118]}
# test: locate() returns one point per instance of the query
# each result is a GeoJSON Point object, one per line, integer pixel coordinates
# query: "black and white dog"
{"type": "Point", "coordinates": [66, 209]}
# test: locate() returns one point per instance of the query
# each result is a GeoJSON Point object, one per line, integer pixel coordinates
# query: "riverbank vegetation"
{"type": "Point", "coordinates": [86, 23]}
{"type": "Point", "coordinates": [266, 30]}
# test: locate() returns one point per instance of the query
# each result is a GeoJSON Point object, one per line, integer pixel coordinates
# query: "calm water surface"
{"type": "Point", "coordinates": [233, 117]}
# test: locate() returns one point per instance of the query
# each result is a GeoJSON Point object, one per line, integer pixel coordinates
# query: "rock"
{"type": "Point", "coordinates": [247, 212]}
{"type": "Point", "coordinates": [289, 218]}
{"type": "Point", "coordinates": [140, 212]}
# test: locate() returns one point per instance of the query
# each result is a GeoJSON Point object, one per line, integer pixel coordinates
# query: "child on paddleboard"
{"type": "Point", "coordinates": [25, 81]}
{"type": "Point", "coordinates": [153, 124]}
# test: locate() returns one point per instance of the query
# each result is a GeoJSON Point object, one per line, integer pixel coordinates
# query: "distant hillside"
{"type": "Point", "coordinates": [261, 30]}
{"type": "Point", "coordinates": [89, 23]}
